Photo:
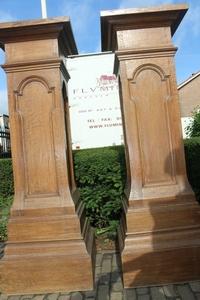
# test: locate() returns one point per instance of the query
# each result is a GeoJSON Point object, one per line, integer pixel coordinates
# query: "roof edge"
{"type": "Point", "coordinates": [188, 80]}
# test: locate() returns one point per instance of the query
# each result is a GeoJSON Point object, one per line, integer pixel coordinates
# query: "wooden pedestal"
{"type": "Point", "coordinates": [160, 228]}
{"type": "Point", "coordinates": [46, 251]}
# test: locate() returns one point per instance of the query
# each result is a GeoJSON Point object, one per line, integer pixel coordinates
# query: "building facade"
{"type": "Point", "coordinates": [4, 134]}
{"type": "Point", "coordinates": [189, 98]}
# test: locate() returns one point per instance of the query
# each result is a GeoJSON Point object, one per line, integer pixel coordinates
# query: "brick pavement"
{"type": "Point", "coordinates": [108, 286]}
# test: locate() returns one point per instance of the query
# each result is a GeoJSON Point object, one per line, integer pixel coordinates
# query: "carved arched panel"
{"type": "Point", "coordinates": [150, 94]}
{"type": "Point", "coordinates": [35, 103]}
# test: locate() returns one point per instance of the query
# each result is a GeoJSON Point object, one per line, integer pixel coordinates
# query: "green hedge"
{"type": "Point", "coordinates": [100, 178]}
{"type": "Point", "coordinates": [6, 178]}
{"type": "Point", "coordinates": [5, 203]}
{"type": "Point", "coordinates": [100, 175]}
{"type": "Point", "coordinates": [6, 192]}
{"type": "Point", "coordinates": [192, 154]}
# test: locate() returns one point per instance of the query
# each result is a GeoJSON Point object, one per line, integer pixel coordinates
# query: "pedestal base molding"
{"type": "Point", "coordinates": [162, 243]}
{"type": "Point", "coordinates": [46, 253]}
{"type": "Point", "coordinates": [45, 267]}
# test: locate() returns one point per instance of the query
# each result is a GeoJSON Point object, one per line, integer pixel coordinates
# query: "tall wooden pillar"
{"type": "Point", "coordinates": [160, 234]}
{"type": "Point", "coordinates": [45, 251]}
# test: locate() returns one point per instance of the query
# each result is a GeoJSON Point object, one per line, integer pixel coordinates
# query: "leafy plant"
{"type": "Point", "coordinates": [192, 155]}
{"type": "Point", "coordinates": [6, 192]}
{"type": "Point", "coordinates": [99, 177]}
{"type": "Point", "coordinates": [5, 204]}
{"type": "Point", "coordinates": [193, 129]}
{"type": "Point", "coordinates": [6, 178]}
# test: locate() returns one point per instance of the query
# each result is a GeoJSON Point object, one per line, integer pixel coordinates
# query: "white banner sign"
{"type": "Point", "coordinates": [95, 113]}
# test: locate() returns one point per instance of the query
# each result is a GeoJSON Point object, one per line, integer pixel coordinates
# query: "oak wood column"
{"type": "Point", "coordinates": [160, 229]}
{"type": "Point", "coordinates": [46, 251]}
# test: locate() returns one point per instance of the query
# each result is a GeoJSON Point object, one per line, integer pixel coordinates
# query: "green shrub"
{"type": "Point", "coordinates": [6, 192]}
{"type": "Point", "coordinates": [5, 204]}
{"type": "Point", "coordinates": [99, 177]}
{"type": "Point", "coordinates": [192, 154]}
{"type": "Point", "coordinates": [193, 129]}
{"type": "Point", "coordinates": [6, 178]}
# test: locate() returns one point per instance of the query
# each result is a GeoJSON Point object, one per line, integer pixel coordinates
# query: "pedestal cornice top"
{"type": "Point", "coordinates": [60, 28]}
{"type": "Point", "coordinates": [138, 18]}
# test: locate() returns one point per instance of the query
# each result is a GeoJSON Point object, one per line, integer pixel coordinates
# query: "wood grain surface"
{"type": "Point", "coordinates": [160, 227]}
{"type": "Point", "coordinates": [50, 243]}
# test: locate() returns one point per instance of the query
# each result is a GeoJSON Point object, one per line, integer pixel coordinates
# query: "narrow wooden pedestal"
{"type": "Point", "coordinates": [46, 251]}
{"type": "Point", "coordinates": [160, 229]}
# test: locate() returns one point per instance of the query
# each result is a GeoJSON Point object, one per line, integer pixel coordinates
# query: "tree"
{"type": "Point", "coordinates": [193, 129]}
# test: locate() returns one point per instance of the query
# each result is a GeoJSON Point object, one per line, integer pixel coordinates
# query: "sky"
{"type": "Point", "coordinates": [85, 20]}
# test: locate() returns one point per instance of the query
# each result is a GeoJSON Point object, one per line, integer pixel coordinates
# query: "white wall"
{"type": "Point", "coordinates": [185, 121]}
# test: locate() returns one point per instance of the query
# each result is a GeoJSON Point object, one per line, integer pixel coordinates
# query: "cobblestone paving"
{"type": "Point", "coordinates": [108, 286]}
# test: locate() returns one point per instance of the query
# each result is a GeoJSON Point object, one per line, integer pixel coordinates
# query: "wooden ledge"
{"type": "Point", "coordinates": [134, 18]}
{"type": "Point", "coordinates": [39, 29]}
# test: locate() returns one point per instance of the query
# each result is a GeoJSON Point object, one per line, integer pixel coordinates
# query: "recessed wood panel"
{"type": "Point", "coordinates": [153, 127]}
{"type": "Point", "coordinates": [35, 105]}
{"type": "Point", "coordinates": [30, 50]}
{"type": "Point", "coordinates": [128, 39]}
